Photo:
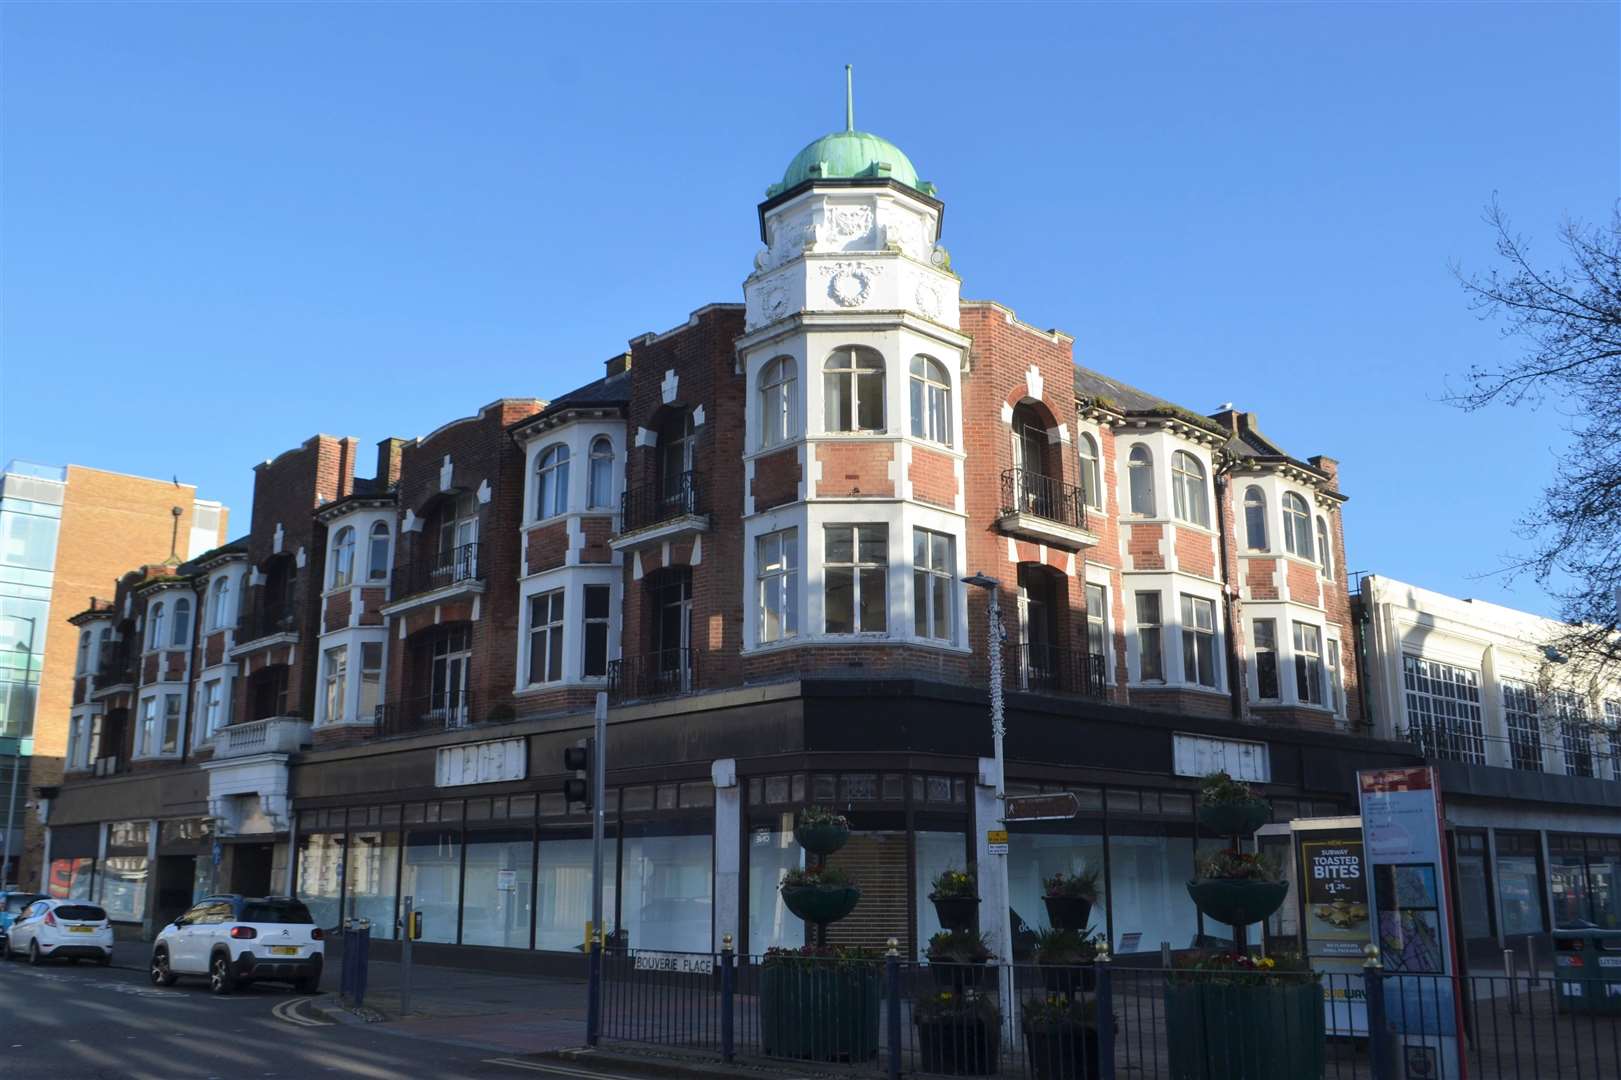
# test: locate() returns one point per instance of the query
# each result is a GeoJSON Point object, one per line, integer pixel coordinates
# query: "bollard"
{"type": "Point", "coordinates": [727, 987]}
{"type": "Point", "coordinates": [892, 969]}
{"type": "Point", "coordinates": [1105, 1007]}
{"type": "Point", "coordinates": [1531, 963]}
{"type": "Point", "coordinates": [1508, 973]}
{"type": "Point", "coordinates": [363, 966]}
{"type": "Point", "coordinates": [1373, 987]}
{"type": "Point", "coordinates": [1165, 955]}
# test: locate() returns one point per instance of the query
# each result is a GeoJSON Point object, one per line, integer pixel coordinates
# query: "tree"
{"type": "Point", "coordinates": [1569, 319]}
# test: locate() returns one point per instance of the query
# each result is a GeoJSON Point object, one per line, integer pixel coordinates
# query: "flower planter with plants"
{"type": "Point", "coordinates": [1236, 1017]}
{"type": "Point", "coordinates": [1230, 808]}
{"type": "Point", "coordinates": [955, 894]}
{"type": "Point", "coordinates": [820, 1004]}
{"type": "Point", "coordinates": [1061, 1038]}
{"type": "Point", "coordinates": [958, 960]}
{"type": "Point", "coordinates": [958, 1034]}
{"type": "Point", "coordinates": [821, 831]}
{"type": "Point", "coordinates": [819, 894]}
{"type": "Point", "coordinates": [1069, 899]}
{"type": "Point", "coordinates": [1237, 888]}
{"type": "Point", "coordinates": [1067, 959]}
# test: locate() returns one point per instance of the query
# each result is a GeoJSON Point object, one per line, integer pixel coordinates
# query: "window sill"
{"type": "Point", "coordinates": [1182, 688]}
{"type": "Point", "coordinates": [593, 682]}
{"type": "Point", "coordinates": [835, 640]}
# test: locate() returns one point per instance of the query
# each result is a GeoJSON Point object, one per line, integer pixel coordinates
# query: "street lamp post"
{"type": "Point", "coordinates": [993, 655]}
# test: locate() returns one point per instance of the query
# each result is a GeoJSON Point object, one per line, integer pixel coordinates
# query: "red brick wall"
{"type": "Point", "coordinates": [855, 468]}
{"type": "Point", "coordinates": [547, 546]}
{"type": "Point", "coordinates": [1195, 552]}
{"type": "Point", "coordinates": [214, 648]}
{"type": "Point", "coordinates": [338, 608]}
{"type": "Point", "coordinates": [776, 479]}
{"type": "Point", "coordinates": [371, 602]}
{"type": "Point", "coordinates": [1262, 579]}
{"type": "Point", "coordinates": [1303, 583]}
{"type": "Point", "coordinates": [1144, 546]}
{"type": "Point", "coordinates": [934, 477]}
{"type": "Point", "coordinates": [596, 531]}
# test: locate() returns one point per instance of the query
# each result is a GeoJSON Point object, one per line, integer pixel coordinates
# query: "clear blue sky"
{"type": "Point", "coordinates": [229, 226]}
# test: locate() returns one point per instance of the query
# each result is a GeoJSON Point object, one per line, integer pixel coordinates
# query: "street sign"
{"type": "Point", "coordinates": [996, 841]}
{"type": "Point", "coordinates": [1059, 807]}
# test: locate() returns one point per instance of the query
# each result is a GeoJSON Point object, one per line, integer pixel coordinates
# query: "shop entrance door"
{"type": "Point", "coordinates": [250, 870]}
{"type": "Point", "coordinates": [177, 875]}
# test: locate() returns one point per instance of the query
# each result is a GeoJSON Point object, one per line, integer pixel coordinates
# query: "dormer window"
{"type": "Point", "coordinates": [551, 482]}
{"type": "Point", "coordinates": [853, 389]}
{"type": "Point", "coordinates": [343, 557]}
{"type": "Point", "coordinates": [1296, 525]}
{"type": "Point", "coordinates": [1188, 489]}
{"type": "Point", "coordinates": [778, 412]}
{"type": "Point", "coordinates": [931, 401]}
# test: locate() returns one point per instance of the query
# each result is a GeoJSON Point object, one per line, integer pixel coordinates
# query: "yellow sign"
{"type": "Point", "coordinates": [996, 836]}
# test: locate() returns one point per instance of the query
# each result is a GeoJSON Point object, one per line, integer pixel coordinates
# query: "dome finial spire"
{"type": "Point", "coordinates": [849, 99]}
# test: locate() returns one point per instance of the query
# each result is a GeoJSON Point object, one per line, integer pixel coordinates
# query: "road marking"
{"type": "Point", "coordinates": [553, 1070]}
{"type": "Point", "coordinates": [288, 1011]}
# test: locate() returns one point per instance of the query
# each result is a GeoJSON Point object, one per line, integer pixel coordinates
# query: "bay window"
{"type": "Point", "coordinates": [1308, 664]}
{"type": "Point", "coordinates": [1296, 525]}
{"type": "Point", "coordinates": [853, 390]}
{"type": "Point", "coordinates": [1198, 641]}
{"type": "Point", "coordinates": [1091, 473]}
{"type": "Point", "coordinates": [1189, 498]}
{"type": "Point", "coordinates": [1265, 634]}
{"type": "Point", "coordinates": [343, 557]}
{"type": "Point", "coordinates": [856, 572]}
{"type": "Point", "coordinates": [336, 680]}
{"type": "Point", "coordinates": [551, 482]}
{"type": "Point", "coordinates": [546, 637]}
{"type": "Point", "coordinates": [777, 581]}
{"type": "Point", "coordinates": [931, 401]}
{"type": "Point", "coordinates": [934, 585]}
{"type": "Point", "coordinates": [600, 479]}
{"type": "Point", "coordinates": [371, 679]}
{"type": "Point", "coordinates": [778, 415]}
{"type": "Point", "coordinates": [1140, 473]}
{"type": "Point", "coordinates": [1254, 519]}
{"type": "Point", "coordinates": [377, 557]}
{"type": "Point", "coordinates": [598, 615]}
{"type": "Point", "coordinates": [1150, 647]}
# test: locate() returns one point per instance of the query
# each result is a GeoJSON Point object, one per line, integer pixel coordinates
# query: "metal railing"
{"type": "Point", "coordinates": [1593, 751]}
{"type": "Point", "coordinates": [426, 572]}
{"type": "Point", "coordinates": [444, 711]}
{"type": "Point", "coordinates": [266, 619]}
{"type": "Point", "coordinates": [1025, 491]}
{"type": "Point", "coordinates": [652, 675]}
{"type": "Point", "coordinates": [652, 504]}
{"type": "Point", "coordinates": [117, 667]}
{"type": "Point", "coordinates": [1048, 669]}
{"type": "Point", "coordinates": [890, 1017]}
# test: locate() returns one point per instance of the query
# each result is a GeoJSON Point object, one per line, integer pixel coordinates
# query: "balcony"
{"type": "Point", "coordinates": [1572, 750]}
{"type": "Point", "coordinates": [273, 735]}
{"type": "Point", "coordinates": [659, 511]}
{"type": "Point", "coordinates": [1044, 510]}
{"type": "Point", "coordinates": [436, 575]}
{"type": "Point", "coordinates": [1047, 669]}
{"type": "Point", "coordinates": [115, 672]}
{"type": "Point", "coordinates": [444, 711]}
{"type": "Point", "coordinates": [654, 675]}
{"type": "Point", "coordinates": [258, 622]}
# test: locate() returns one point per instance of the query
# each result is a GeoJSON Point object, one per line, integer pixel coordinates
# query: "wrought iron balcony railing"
{"type": "Point", "coordinates": [1027, 492]}
{"type": "Point", "coordinates": [444, 711]}
{"type": "Point", "coordinates": [653, 504]}
{"type": "Point", "coordinates": [1049, 669]}
{"type": "Point", "coordinates": [264, 619]}
{"type": "Point", "coordinates": [656, 674]}
{"type": "Point", "coordinates": [462, 565]}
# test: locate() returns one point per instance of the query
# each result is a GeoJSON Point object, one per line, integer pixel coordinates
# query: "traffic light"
{"type": "Point", "coordinates": [577, 759]}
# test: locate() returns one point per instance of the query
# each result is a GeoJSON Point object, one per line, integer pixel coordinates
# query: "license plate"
{"type": "Point", "coordinates": [284, 950]}
{"type": "Point", "coordinates": [82, 929]}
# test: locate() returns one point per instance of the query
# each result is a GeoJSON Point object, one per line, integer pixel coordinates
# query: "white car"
{"type": "Point", "coordinates": [72, 929]}
{"type": "Point", "coordinates": [234, 940]}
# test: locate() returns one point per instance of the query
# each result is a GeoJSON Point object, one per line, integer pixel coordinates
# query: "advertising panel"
{"type": "Point", "coordinates": [1336, 923]}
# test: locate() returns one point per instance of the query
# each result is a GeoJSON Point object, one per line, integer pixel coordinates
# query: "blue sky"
{"type": "Point", "coordinates": [227, 227]}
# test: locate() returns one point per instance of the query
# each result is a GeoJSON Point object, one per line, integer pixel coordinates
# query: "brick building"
{"type": "Point", "coordinates": [751, 533]}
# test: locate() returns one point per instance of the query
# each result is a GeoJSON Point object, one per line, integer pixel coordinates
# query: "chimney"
{"type": "Point", "coordinates": [1328, 466]}
{"type": "Point", "coordinates": [388, 463]}
{"type": "Point", "coordinates": [619, 365]}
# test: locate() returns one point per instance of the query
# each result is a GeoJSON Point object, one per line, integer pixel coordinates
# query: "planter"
{"type": "Point", "coordinates": [1235, 819]}
{"type": "Point", "coordinates": [1062, 1051]}
{"type": "Point", "coordinates": [958, 977]}
{"type": "Point", "coordinates": [1068, 912]}
{"type": "Point", "coordinates": [821, 904]}
{"type": "Point", "coordinates": [1069, 979]}
{"type": "Point", "coordinates": [1223, 1032]}
{"type": "Point", "coordinates": [820, 1013]}
{"type": "Point", "coordinates": [1235, 901]}
{"type": "Point", "coordinates": [966, 1047]}
{"type": "Point", "coordinates": [821, 839]}
{"type": "Point", "coordinates": [956, 912]}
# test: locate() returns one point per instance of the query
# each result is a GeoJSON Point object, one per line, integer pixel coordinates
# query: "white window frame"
{"type": "Point", "coordinates": [551, 479]}
{"type": "Point", "coordinates": [343, 558]}
{"type": "Point", "coordinates": [863, 367]}
{"type": "Point", "coordinates": [1309, 663]}
{"type": "Point", "coordinates": [75, 733]}
{"type": "Point", "coordinates": [1091, 469]}
{"type": "Point", "coordinates": [777, 578]}
{"type": "Point", "coordinates": [1325, 556]}
{"type": "Point", "coordinates": [1255, 501]}
{"type": "Point", "coordinates": [556, 613]}
{"type": "Point", "coordinates": [599, 474]}
{"type": "Point", "coordinates": [82, 662]}
{"type": "Point", "coordinates": [857, 569]}
{"type": "Point", "coordinates": [377, 568]}
{"type": "Point", "coordinates": [1257, 650]}
{"type": "Point", "coordinates": [156, 618]}
{"type": "Point", "coordinates": [210, 708]}
{"type": "Point", "coordinates": [1297, 526]}
{"type": "Point", "coordinates": [371, 675]}
{"type": "Point", "coordinates": [335, 684]}
{"type": "Point", "coordinates": [927, 578]}
{"type": "Point", "coordinates": [1100, 619]}
{"type": "Point", "coordinates": [587, 622]}
{"type": "Point", "coordinates": [779, 413]}
{"type": "Point", "coordinates": [930, 399]}
{"type": "Point", "coordinates": [1193, 633]}
{"type": "Point", "coordinates": [1144, 467]}
{"type": "Point", "coordinates": [1190, 494]}
{"type": "Point", "coordinates": [1139, 625]}
{"type": "Point", "coordinates": [219, 599]}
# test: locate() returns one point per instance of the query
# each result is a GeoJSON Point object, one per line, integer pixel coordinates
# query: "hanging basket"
{"type": "Point", "coordinates": [1235, 818]}
{"type": "Point", "coordinates": [1235, 901]}
{"type": "Point", "coordinates": [821, 904]}
{"type": "Point", "coordinates": [821, 839]}
{"type": "Point", "coordinates": [1068, 912]}
{"type": "Point", "coordinates": [956, 912]}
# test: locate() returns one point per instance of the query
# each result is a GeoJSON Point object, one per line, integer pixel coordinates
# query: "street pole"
{"type": "Point", "coordinates": [599, 812]}
{"type": "Point", "coordinates": [405, 958]}
{"type": "Point", "coordinates": [11, 808]}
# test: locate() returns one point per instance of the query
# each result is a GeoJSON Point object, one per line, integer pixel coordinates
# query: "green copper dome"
{"type": "Point", "coordinates": [850, 155]}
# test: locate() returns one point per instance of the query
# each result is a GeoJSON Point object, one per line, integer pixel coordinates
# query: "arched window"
{"type": "Point", "coordinates": [1140, 468]}
{"type": "Point", "coordinates": [1296, 525]}
{"type": "Point", "coordinates": [600, 482]}
{"type": "Point", "coordinates": [551, 481]}
{"type": "Point", "coordinates": [853, 390]}
{"type": "Point", "coordinates": [154, 629]}
{"type": "Point", "coordinates": [104, 641]}
{"type": "Point", "coordinates": [931, 401]}
{"type": "Point", "coordinates": [182, 623]}
{"type": "Point", "coordinates": [1091, 474]}
{"type": "Point", "coordinates": [377, 557]}
{"type": "Point", "coordinates": [343, 557]}
{"type": "Point", "coordinates": [1188, 489]}
{"type": "Point", "coordinates": [219, 603]}
{"type": "Point", "coordinates": [1254, 518]}
{"type": "Point", "coordinates": [778, 382]}
{"type": "Point", "coordinates": [1325, 560]}
{"type": "Point", "coordinates": [84, 651]}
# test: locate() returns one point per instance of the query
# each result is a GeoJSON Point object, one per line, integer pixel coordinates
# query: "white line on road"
{"type": "Point", "coordinates": [553, 1070]}
{"type": "Point", "coordinates": [288, 1011]}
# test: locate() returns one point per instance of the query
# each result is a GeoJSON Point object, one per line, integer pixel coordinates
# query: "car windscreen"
{"type": "Point", "coordinates": [17, 901]}
{"type": "Point", "coordinates": [275, 911]}
{"type": "Point", "coordinates": [80, 913]}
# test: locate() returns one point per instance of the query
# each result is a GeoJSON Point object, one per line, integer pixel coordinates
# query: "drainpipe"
{"type": "Point", "coordinates": [1234, 699]}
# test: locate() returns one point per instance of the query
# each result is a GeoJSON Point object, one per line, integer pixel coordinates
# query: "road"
{"type": "Point", "coordinates": [83, 1022]}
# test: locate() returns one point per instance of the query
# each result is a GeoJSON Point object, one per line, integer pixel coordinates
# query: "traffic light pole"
{"type": "Point", "coordinates": [599, 773]}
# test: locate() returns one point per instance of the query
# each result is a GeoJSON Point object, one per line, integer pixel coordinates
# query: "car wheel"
{"type": "Point", "coordinates": [221, 980]}
{"type": "Point", "coordinates": [161, 974]}
{"type": "Point", "coordinates": [34, 956]}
